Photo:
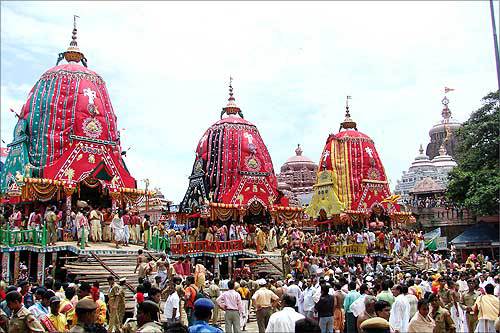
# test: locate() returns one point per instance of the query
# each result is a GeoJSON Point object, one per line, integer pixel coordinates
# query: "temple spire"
{"type": "Point", "coordinates": [421, 150]}
{"type": "Point", "coordinates": [298, 151]}
{"type": "Point", "coordinates": [231, 107]}
{"type": "Point", "coordinates": [348, 123]}
{"type": "Point", "coordinates": [446, 113]}
{"type": "Point", "coordinates": [73, 53]}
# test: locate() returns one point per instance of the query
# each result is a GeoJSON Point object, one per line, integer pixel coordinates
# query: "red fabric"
{"type": "Point", "coordinates": [179, 269]}
{"type": "Point", "coordinates": [68, 108]}
{"type": "Point", "coordinates": [139, 297]}
{"type": "Point", "coordinates": [367, 181]}
{"type": "Point", "coordinates": [239, 165]}
{"type": "Point", "coordinates": [186, 267]}
{"type": "Point", "coordinates": [94, 292]}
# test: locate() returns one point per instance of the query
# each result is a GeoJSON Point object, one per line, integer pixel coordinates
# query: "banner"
{"type": "Point", "coordinates": [441, 243]}
{"type": "Point", "coordinates": [430, 239]}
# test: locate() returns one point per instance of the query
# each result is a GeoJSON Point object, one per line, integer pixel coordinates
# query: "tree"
{"type": "Point", "coordinates": [475, 181]}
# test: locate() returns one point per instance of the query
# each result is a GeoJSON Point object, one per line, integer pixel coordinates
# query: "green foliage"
{"type": "Point", "coordinates": [475, 181]}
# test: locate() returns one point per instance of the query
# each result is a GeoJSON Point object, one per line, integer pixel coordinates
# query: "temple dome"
{"type": "Point", "coordinates": [68, 127]}
{"type": "Point", "coordinates": [232, 164]}
{"type": "Point", "coordinates": [298, 161]}
{"type": "Point", "coordinates": [351, 176]}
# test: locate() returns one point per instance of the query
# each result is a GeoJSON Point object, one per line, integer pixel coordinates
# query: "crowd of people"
{"type": "Point", "coordinates": [328, 296]}
{"type": "Point", "coordinates": [393, 285]}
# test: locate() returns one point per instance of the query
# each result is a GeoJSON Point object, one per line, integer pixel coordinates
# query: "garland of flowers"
{"type": "Point", "coordinates": [42, 192]}
{"type": "Point", "coordinates": [255, 208]}
{"type": "Point", "coordinates": [91, 183]}
{"type": "Point", "coordinates": [223, 214]}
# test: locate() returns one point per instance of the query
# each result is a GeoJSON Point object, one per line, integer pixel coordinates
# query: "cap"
{"type": "Point", "coordinates": [86, 304]}
{"type": "Point", "coordinates": [54, 299]}
{"type": "Point", "coordinates": [204, 303]}
{"type": "Point", "coordinates": [376, 322]}
{"type": "Point", "coordinates": [261, 282]}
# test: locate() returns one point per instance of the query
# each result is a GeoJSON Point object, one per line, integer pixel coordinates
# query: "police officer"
{"type": "Point", "coordinates": [21, 320]}
{"type": "Point", "coordinates": [375, 325]}
{"type": "Point", "coordinates": [147, 318]}
{"type": "Point", "coordinates": [85, 311]}
{"type": "Point", "coordinates": [203, 312]}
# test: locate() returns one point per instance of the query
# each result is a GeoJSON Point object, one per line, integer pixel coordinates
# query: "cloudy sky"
{"type": "Point", "coordinates": [167, 64]}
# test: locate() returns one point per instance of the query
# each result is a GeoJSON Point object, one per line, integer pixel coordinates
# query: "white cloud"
{"type": "Point", "coordinates": [167, 64]}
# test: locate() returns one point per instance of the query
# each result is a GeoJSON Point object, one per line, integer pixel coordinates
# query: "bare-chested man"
{"type": "Point", "coordinates": [338, 312]}
{"type": "Point", "coordinates": [161, 266]}
{"type": "Point", "coordinates": [141, 264]}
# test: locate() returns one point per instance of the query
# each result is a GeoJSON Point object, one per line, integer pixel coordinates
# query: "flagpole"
{"type": "Point", "coordinates": [495, 41]}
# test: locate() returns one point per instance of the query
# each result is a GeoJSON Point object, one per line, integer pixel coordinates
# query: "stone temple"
{"type": "Point", "coordinates": [297, 177]}
{"type": "Point", "coordinates": [429, 172]}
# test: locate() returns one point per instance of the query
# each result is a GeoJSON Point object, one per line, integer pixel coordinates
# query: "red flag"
{"type": "Point", "coordinates": [447, 90]}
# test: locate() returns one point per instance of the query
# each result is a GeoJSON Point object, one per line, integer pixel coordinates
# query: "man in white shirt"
{"type": "Point", "coordinates": [294, 290]}
{"type": "Point", "coordinates": [284, 320]}
{"type": "Point", "coordinates": [462, 284]}
{"type": "Point", "coordinates": [425, 285]}
{"type": "Point", "coordinates": [171, 309]}
{"type": "Point", "coordinates": [400, 311]}
{"type": "Point", "coordinates": [309, 299]}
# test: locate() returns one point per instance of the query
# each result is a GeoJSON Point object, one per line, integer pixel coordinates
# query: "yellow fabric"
{"type": "Point", "coordinates": [325, 197]}
{"type": "Point", "coordinates": [340, 165]}
{"type": "Point", "coordinates": [488, 307]}
{"type": "Point", "coordinates": [59, 322]}
{"type": "Point", "coordinates": [70, 315]}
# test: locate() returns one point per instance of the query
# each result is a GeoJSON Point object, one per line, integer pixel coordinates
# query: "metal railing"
{"type": "Point", "coordinates": [12, 237]}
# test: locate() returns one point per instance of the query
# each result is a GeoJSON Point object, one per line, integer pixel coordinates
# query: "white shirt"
{"type": "Point", "coordinates": [309, 298]}
{"type": "Point", "coordinates": [462, 286]}
{"type": "Point", "coordinates": [413, 301]}
{"type": "Point", "coordinates": [294, 290]}
{"type": "Point", "coordinates": [283, 321]}
{"type": "Point", "coordinates": [426, 286]}
{"type": "Point", "coordinates": [171, 304]}
{"type": "Point", "coordinates": [358, 306]}
{"type": "Point", "coordinates": [400, 314]}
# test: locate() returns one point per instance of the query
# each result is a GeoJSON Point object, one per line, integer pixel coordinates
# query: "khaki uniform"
{"type": "Point", "coordinates": [469, 299]}
{"type": "Point", "coordinates": [445, 296]}
{"type": "Point", "coordinates": [151, 327]}
{"type": "Point", "coordinates": [51, 218]}
{"type": "Point", "coordinates": [116, 300]}
{"type": "Point", "coordinates": [443, 320]}
{"type": "Point", "coordinates": [23, 322]}
{"type": "Point", "coordinates": [95, 226]}
{"type": "Point", "coordinates": [214, 293]}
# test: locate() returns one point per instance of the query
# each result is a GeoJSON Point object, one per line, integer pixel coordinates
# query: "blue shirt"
{"type": "Point", "coordinates": [201, 326]}
{"type": "Point", "coordinates": [349, 299]}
